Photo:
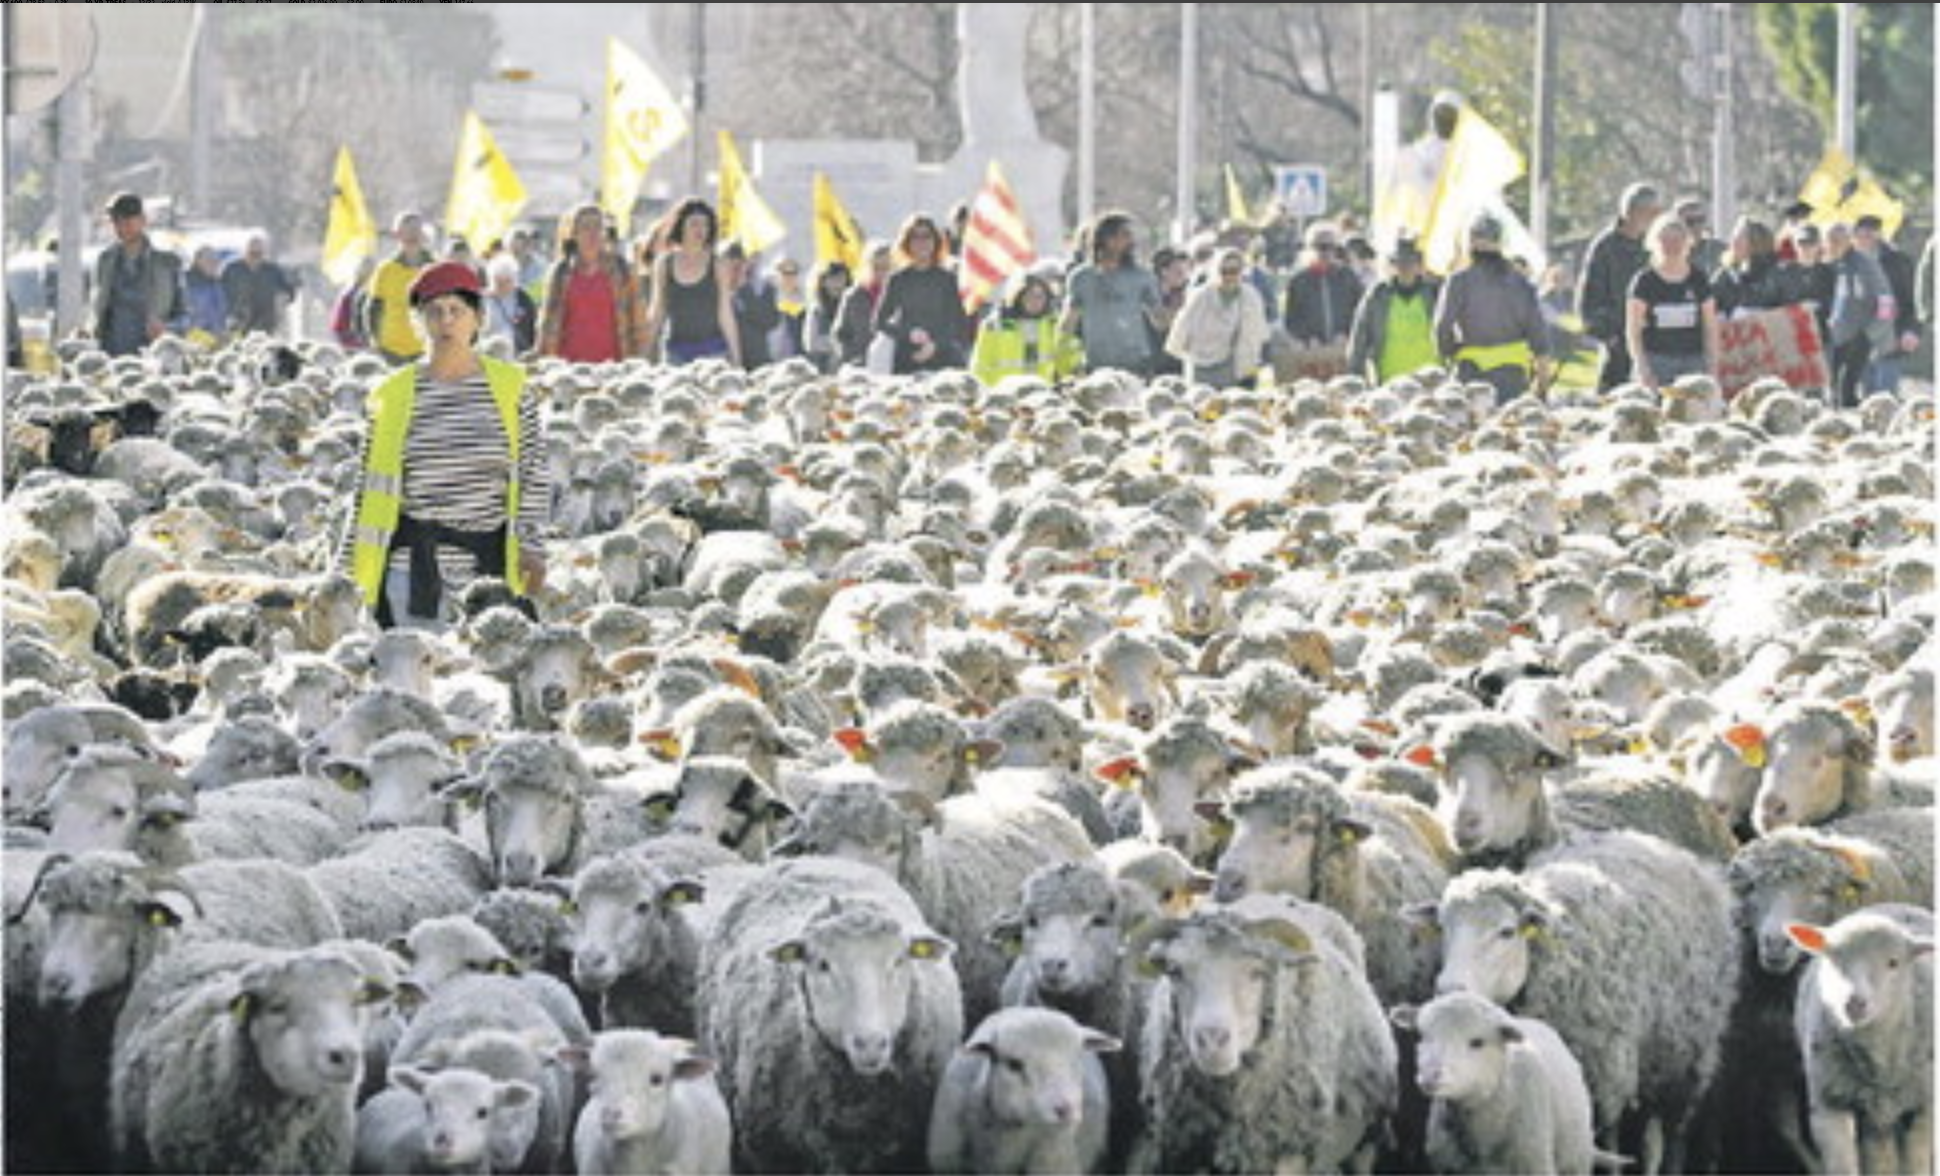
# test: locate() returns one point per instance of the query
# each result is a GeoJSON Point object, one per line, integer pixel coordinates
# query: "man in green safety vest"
{"type": "Point", "coordinates": [1394, 327]}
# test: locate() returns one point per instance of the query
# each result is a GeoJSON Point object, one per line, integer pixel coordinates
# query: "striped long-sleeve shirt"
{"type": "Point", "coordinates": [456, 461]}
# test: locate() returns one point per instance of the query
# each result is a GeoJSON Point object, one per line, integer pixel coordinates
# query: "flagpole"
{"type": "Point", "coordinates": [1846, 78]}
{"type": "Point", "coordinates": [1543, 145]}
{"type": "Point", "coordinates": [697, 66]}
{"type": "Point", "coordinates": [1183, 202]}
{"type": "Point", "coordinates": [1087, 111]}
{"type": "Point", "coordinates": [1724, 162]}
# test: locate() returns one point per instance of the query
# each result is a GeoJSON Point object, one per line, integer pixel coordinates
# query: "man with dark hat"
{"type": "Point", "coordinates": [1394, 327]}
{"type": "Point", "coordinates": [137, 287]}
{"type": "Point", "coordinates": [1488, 324]}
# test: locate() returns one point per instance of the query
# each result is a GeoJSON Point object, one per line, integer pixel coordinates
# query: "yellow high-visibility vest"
{"type": "Point", "coordinates": [1488, 358]}
{"type": "Point", "coordinates": [382, 500]}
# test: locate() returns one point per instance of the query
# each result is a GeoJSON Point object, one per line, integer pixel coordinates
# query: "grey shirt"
{"type": "Point", "coordinates": [1488, 304]}
{"type": "Point", "coordinates": [1112, 306]}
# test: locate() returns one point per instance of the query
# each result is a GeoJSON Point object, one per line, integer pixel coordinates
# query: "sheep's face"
{"type": "Point", "coordinates": [622, 929]}
{"type": "Point", "coordinates": [88, 952]}
{"type": "Point", "coordinates": [1487, 804]}
{"type": "Point", "coordinates": [1273, 851]}
{"type": "Point", "coordinates": [402, 789]}
{"type": "Point", "coordinates": [1464, 1049]}
{"type": "Point", "coordinates": [1195, 596]}
{"type": "Point", "coordinates": [1036, 1069]}
{"type": "Point", "coordinates": [238, 752]}
{"type": "Point", "coordinates": [1219, 992]}
{"type": "Point", "coordinates": [1038, 740]}
{"type": "Point", "coordinates": [1870, 968]}
{"type": "Point", "coordinates": [1770, 896]}
{"type": "Point", "coordinates": [634, 1073]}
{"type": "Point", "coordinates": [462, 1111]}
{"type": "Point", "coordinates": [1172, 782]}
{"type": "Point", "coordinates": [101, 808]}
{"type": "Point", "coordinates": [1486, 948]}
{"type": "Point", "coordinates": [1072, 948]}
{"type": "Point", "coordinates": [858, 982]}
{"type": "Point", "coordinates": [739, 729]}
{"type": "Point", "coordinates": [303, 1023]}
{"type": "Point", "coordinates": [1130, 682]}
{"type": "Point", "coordinates": [402, 660]}
{"type": "Point", "coordinates": [37, 751]}
{"type": "Point", "coordinates": [531, 830]}
{"type": "Point", "coordinates": [554, 676]}
{"type": "Point", "coordinates": [1805, 772]}
{"type": "Point", "coordinates": [623, 571]}
{"type": "Point", "coordinates": [1904, 710]}
{"type": "Point", "coordinates": [932, 767]}
{"type": "Point", "coordinates": [1561, 614]}
{"type": "Point", "coordinates": [1275, 714]}
{"type": "Point", "coordinates": [314, 700]}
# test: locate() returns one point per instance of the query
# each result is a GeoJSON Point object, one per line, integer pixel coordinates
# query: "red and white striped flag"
{"type": "Point", "coordinates": [996, 243]}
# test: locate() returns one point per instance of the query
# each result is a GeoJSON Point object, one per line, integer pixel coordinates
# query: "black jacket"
{"type": "Point", "coordinates": [1601, 299]}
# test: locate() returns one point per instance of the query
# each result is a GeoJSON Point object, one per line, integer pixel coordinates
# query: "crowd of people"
{"type": "Point", "coordinates": [1653, 290]}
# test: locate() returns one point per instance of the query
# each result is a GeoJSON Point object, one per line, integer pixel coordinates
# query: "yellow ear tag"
{"type": "Point", "coordinates": [970, 755]}
{"type": "Point", "coordinates": [667, 748]}
{"type": "Point", "coordinates": [239, 1007]}
{"type": "Point", "coordinates": [160, 918]}
{"type": "Point", "coordinates": [1531, 931]}
{"type": "Point", "coordinates": [1348, 836]}
{"type": "Point", "coordinates": [1640, 747]}
{"type": "Point", "coordinates": [922, 949]}
{"type": "Point", "coordinates": [1849, 893]}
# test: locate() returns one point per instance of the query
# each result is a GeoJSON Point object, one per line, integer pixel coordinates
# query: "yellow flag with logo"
{"type": "Point", "coordinates": [486, 195]}
{"type": "Point", "coordinates": [1839, 191]}
{"type": "Point", "coordinates": [745, 216]}
{"type": "Point", "coordinates": [643, 122]}
{"type": "Point", "coordinates": [350, 235]}
{"type": "Point", "coordinates": [1236, 210]}
{"type": "Point", "coordinates": [837, 236]}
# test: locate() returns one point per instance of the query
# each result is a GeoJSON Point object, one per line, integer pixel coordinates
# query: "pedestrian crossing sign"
{"type": "Point", "coordinates": [1301, 189]}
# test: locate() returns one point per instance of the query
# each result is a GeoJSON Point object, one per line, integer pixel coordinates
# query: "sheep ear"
{"type": "Point", "coordinates": [659, 806]}
{"type": "Point", "coordinates": [466, 790]}
{"type": "Point", "coordinates": [400, 946]}
{"type": "Point", "coordinates": [1289, 935]}
{"type": "Point", "coordinates": [240, 1007]}
{"type": "Point", "coordinates": [1213, 812]}
{"type": "Point", "coordinates": [930, 947]}
{"type": "Point", "coordinates": [574, 1057]}
{"type": "Point", "coordinates": [409, 1078]}
{"type": "Point", "coordinates": [504, 966]}
{"type": "Point", "coordinates": [1426, 917]}
{"type": "Point", "coordinates": [1096, 1042]}
{"type": "Point", "coordinates": [165, 810]}
{"type": "Point", "coordinates": [1007, 932]}
{"type": "Point", "coordinates": [1549, 759]}
{"type": "Point", "coordinates": [693, 1066]}
{"type": "Point", "coordinates": [980, 752]}
{"type": "Point", "coordinates": [1122, 772]}
{"type": "Point", "coordinates": [777, 810]}
{"type": "Point", "coordinates": [1422, 755]}
{"type": "Point", "coordinates": [159, 914]}
{"type": "Point", "coordinates": [1349, 831]}
{"type": "Point", "coordinates": [789, 951]}
{"type": "Point", "coordinates": [1809, 938]}
{"type": "Point", "coordinates": [682, 892]}
{"type": "Point", "coordinates": [349, 774]}
{"type": "Point", "coordinates": [513, 1094]}
{"type": "Point", "coordinates": [1405, 1016]}
{"type": "Point", "coordinates": [663, 743]}
{"type": "Point", "coordinates": [1510, 1034]}
{"type": "Point", "coordinates": [855, 741]}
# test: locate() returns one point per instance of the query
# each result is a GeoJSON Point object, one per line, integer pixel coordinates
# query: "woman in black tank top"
{"type": "Point", "coordinates": [692, 317]}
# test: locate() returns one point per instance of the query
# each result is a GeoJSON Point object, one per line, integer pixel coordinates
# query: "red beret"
{"type": "Point", "coordinates": [445, 277]}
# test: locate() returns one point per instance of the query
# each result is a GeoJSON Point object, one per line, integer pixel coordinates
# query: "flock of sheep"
{"type": "Point", "coordinates": [908, 775]}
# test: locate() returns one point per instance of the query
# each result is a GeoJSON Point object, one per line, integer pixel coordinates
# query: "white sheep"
{"type": "Point", "coordinates": [384, 884]}
{"type": "Point", "coordinates": [1865, 1027]}
{"type": "Point", "coordinates": [1622, 943]}
{"type": "Point", "coordinates": [655, 1108]}
{"type": "Point", "coordinates": [1025, 1094]}
{"type": "Point", "coordinates": [439, 1121]}
{"type": "Point", "coordinates": [1262, 1015]}
{"type": "Point", "coordinates": [1507, 1094]}
{"type": "Point", "coordinates": [832, 1010]}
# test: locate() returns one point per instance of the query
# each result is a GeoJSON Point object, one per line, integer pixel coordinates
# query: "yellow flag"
{"type": "Point", "coordinates": [1839, 191]}
{"type": "Point", "coordinates": [643, 121]}
{"type": "Point", "coordinates": [837, 236]}
{"type": "Point", "coordinates": [745, 216]}
{"type": "Point", "coordinates": [1236, 210]}
{"type": "Point", "coordinates": [1479, 164]}
{"type": "Point", "coordinates": [486, 195]}
{"type": "Point", "coordinates": [350, 235]}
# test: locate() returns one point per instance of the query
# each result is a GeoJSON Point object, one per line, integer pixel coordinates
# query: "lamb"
{"type": "Point", "coordinates": [1622, 943]}
{"type": "Point", "coordinates": [1365, 855]}
{"type": "Point", "coordinates": [1498, 810]}
{"type": "Point", "coordinates": [521, 1138]}
{"type": "Point", "coordinates": [832, 1011]}
{"type": "Point", "coordinates": [1864, 1021]}
{"type": "Point", "coordinates": [442, 1121]}
{"type": "Point", "coordinates": [655, 1107]}
{"type": "Point", "coordinates": [1261, 1013]}
{"type": "Point", "coordinates": [1508, 1096]}
{"type": "Point", "coordinates": [963, 861]}
{"type": "Point", "coordinates": [1026, 1093]}
{"type": "Point", "coordinates": [384, 884]}
{"type": "Point", "coordinates": [234, 1058]}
